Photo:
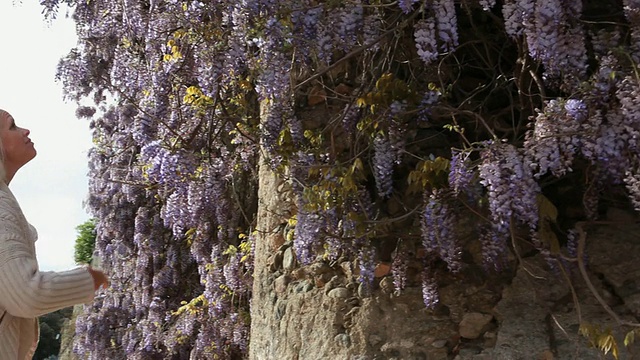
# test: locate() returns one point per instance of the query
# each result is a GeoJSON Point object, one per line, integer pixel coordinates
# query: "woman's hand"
{"type": "Point", "coordinates": [99, 278]}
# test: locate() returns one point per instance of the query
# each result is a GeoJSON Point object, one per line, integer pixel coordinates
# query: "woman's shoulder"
{"type": "Point", "coordinates": [8, 203]}
{"type": "Point", "coordinates": [10, 210]}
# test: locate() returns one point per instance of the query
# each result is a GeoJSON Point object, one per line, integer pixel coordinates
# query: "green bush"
{"type": "Point", "coordinates": [50, 329]}
{"type": "Point", "coordinates": [85, 242]}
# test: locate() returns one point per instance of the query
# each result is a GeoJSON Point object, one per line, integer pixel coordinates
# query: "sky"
{"type": "Point", "coordinates": [52, 187]}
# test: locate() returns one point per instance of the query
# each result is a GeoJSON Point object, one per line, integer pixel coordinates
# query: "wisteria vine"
{"type": "Point", "coordinates": [189, 96]}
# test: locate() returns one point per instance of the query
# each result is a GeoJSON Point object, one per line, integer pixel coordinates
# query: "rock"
{"type": "Point", "coordinates": [275, 262]}
{"type": "Point", "coordinates": [307, 286]}
{"type": "Point", "coordinates": [364, 291]}
{"type": "Point", "coordinates": [466, 354]}
{"type": "Point", "coordinates": [319, 268]}
{"type": "Point", "coordinates": [490, 339]}
{"type": "Point", "coordinates": [633, 302]}
{"type": "Point", "coordinates": [298, 274]}
{"type": "Point", "coordinates": [439, 344]}
{"type": "Point", "coordinates": [482, 357]}
{"type": "Point", "coordinates": [343, 340]}
{"type": "Point", "coordinates": [304, 286]}
{"type": "Point", "coordinates": [374, 339]}
{"type": "Point", "coordinates": [353, 311]}
{"type": "Point", "coordinates": [281, 284]}
{"type": "Point", "coordinates": [281, 309]}
{"type": "Point", "coordinates": [621, 216]}
{"type": "Point", "coordinates": [474, 324]}
{"type": "Point", "coordinates": [546, 355]}
{"type": "Point", "coordinates": [339, 293]}
{"type": "Point", "coordinates": [523, 330]}
{"type": "Point", "coordinates": [402, 309]}
{"type": "Point", "coordinates": [322, 279]}
{"type": "Point", "coordinates": [332, 284]}
{"type": "Point", "coordinates": [620, 270]}
{"type": "Point", "coordinates": [288, 259]}
{"type": "Point", "coordinates": [439, 354]}
{"type": "Point", "coordinates": [401, 344]}
{"type": "Point", "coordinates": [347, 269]}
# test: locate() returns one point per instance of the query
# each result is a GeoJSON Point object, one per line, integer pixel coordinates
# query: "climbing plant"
{"type": "Point", "coordinates": [391, 121]}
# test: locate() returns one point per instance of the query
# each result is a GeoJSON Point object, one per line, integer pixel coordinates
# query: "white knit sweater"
{"type": "Point", "coordinates": [25, 291]}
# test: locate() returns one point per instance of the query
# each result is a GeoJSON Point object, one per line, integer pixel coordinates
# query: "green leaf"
{"type": "Point", "coordinates": [630, 338]}
{"type": "Point", "coordinates": [546, 209]}
{"type": "Point", "coordinates": [548, 237]}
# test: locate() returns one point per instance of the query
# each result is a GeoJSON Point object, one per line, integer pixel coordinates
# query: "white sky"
{"type": "Point", "coordinates": [52, 187]}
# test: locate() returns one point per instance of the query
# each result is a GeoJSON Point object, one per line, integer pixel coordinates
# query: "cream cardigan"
{"type": "Point", "coordinates": [26, 292]}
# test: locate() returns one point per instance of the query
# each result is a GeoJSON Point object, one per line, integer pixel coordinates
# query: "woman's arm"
{"type": "Point", "coordinates": [28, 292]}
{"type": "Point", "coordinates": [25, 291]}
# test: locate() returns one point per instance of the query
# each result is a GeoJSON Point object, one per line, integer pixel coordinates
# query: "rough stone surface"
{"type": "Point", "coordinates": [527, 311]}
{"type": "Point", "coordinates": [474, 324]}
{"type": "Point", "coordinates": [288, 259]}
{"type": "Point", "coordinates": [67, 334]}
{"type": "Point", "coordinates": [525, 314]}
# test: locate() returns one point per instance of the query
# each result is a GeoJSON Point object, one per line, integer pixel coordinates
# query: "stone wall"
{"type": "Point", "coordinates": [532, 311]}
{"type": "Point", "coordinates": [67, 334]}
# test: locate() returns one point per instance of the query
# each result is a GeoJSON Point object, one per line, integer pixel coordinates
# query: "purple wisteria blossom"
{"type": "Point", "coordinates": [397, 130]}
{"type": "Point", "coordinates": [556, 38]}
{"type": "Point", "coordinates": [603, 41]}
{"type": "Point", "coordinates": [307, 233]}
{"type": "Point", "coordinates": [518, 15]}
{"type": "Point", "coordinates": [487, 4]}
{"type": "Point", "coordinates": [349, 25]}
{"type": "Point", "coordinates": [632, 13]}
{"type": "Point", "coordinates": [306, 21]}
{"type": "Point", "coordinates": [425, 37]}
{"type": "Point", "coordinates": [556, 137]}
{"type": "Point", "coordinates": [447, 23]}
{"type": "Point", "coordinates": [430, 294]}
{"type": "Point", "coordinates": [366, 265]}
{"type": "Point", "coordinates": [383, 160]}
{"type": "Point", "coordinates": [511, 190]}
{"type": "Point", "coordinates": [399, 271]}
{"type": "Point", "coordinates": [406, 5]}
{"type": "Point", "coordinates": [438, 224]}
{"type": "Point", "coordinates": [460, 173]}
{"type": "Point", "coordinates": [429, 99]}
{"type": "Point", "coordinates": [173, 183]}
{"type": "Point", "coordinates": [371, 31]}
{"type": "Point", "coordinates": [632, 182]}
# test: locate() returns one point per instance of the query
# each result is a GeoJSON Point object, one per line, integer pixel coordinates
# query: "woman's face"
{"type": "Point", "coordinates": [17, 147]}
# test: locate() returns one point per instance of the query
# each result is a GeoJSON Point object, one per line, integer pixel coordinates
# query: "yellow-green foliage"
{"type": "Point", "coordinates": [548, 214]}
{"type": "Point", "coordinates": [195, 97]}
{"type": "Point", "coordinates": [196, 305]}
{"type": "Point", "coordinates": [175, 53]}
{"type": "Point", "coordinates": [243, 248]}
{"type": "Point", "coordinates": [333, 184]}
{"type": "Point", "coordinates": [630, 338]}
{"type": "Point", "coordinates": [428, 173]}
{"type": "Point", "coordinates": [603, 340]}
{"type": "Point", "coordinates": [388, 89]}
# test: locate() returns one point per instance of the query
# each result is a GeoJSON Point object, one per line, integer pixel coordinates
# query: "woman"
{"type": "Point", "coordinates": [26, 292]}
